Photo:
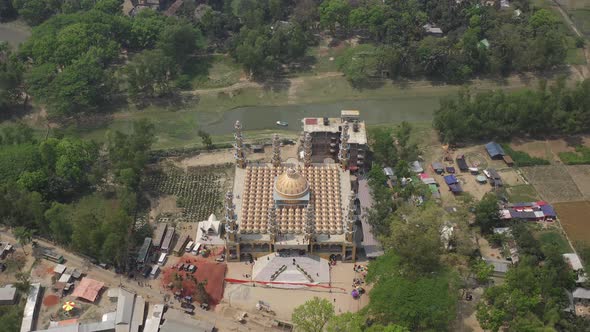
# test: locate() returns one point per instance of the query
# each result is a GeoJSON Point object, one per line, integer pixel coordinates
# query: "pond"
{"type": "Point", "coordinates": [373, 111]}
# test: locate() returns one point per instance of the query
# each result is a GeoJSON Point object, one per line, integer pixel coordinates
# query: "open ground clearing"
{"type": "Point", "coordinates": [549, 149]}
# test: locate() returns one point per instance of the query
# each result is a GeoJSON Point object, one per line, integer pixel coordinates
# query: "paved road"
{"type": "Point", "coordinates": [151, 295]}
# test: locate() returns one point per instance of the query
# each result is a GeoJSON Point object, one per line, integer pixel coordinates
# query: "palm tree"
{"type": "Point", "coordinates": [24, 236]}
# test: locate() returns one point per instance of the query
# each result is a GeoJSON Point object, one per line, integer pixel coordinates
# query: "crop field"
{"type": "Point", "coordinates": [581, 176]}
{"type": "Point", "coordinates": [553, 183]}
{"type": "Point", "coordinates": [198, 191]}
{"type": "Point", "coordinates": [574, 219]}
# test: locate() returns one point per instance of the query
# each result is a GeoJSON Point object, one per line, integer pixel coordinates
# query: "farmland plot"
{"type": "Point", "coordinates": [198, 191]}
{"type": "Point", "coordinates": [553, 183]}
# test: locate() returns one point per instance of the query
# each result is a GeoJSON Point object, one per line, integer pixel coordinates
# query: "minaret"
{"type": "Point", "coordinates": [350, 218]}
{"type": "Point", "coordinates": [307, 150]}
{"type": "Point", "coordinates": [231, 227]}
{"type": "Point", "coordinates": [308, 227]}
{"type": "Point", "coordinates": [276, 150]}
{"type": "Point", "coordinates": [272, 223]}
{"type": "Point", "coordinates": [239, 155]}
{"type": "Point", "coordinates": [344, 153]}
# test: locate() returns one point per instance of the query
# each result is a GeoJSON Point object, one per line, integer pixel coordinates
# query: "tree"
{"type": "Point", "coordinates": [80, 87]}
{"type": "Point", "coordinates": [206, 138]}
{"type": "Point", "coordinates": [58, 218]}
{"type": "Point", "coordinates": [24, 236]}
{"type": "Point", "coordinates": [179, 41]}
{"type": "Point", "coordinates": [150, 73]}
{"type": "Point", "coordinates": [359, 64]}
{"type": "Point", "coordinates": [36, 11]}
{"type": "Point", "coordinates": [346, 322]}
{"type": "Point", "coordinates": [383, 147]}
{"type": "Point", "coordinates": [313, 315]}
{"type": "Point", "coordinates": [334, 13]}
{"type": "Point", "coordinates": [482, 271]}
{"type": "Point", "coordinates": [24, 282]}
{"type": "Point", "coordinates": [487, 213]}
{"type": "Point", "coordinates": [416, 238]}
{"type": "Point", "coordinates": [424, 303]}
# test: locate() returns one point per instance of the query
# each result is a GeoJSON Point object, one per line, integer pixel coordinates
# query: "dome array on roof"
{"type": "Point", "coordinates": [291, 184]}
{"type": "Point", "coordinates": [323, 182]}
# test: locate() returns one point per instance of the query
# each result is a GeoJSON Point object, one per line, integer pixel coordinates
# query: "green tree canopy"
{"type": "Point", "coordinates": [313, 315]}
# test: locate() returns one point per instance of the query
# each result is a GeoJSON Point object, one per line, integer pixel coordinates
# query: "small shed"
{"type": "Point", "coordinates": [438, 168]}
{"type": "Point", "coordinates": [257, 148]}
{"type": "Point", "coordinates": [388, 172]}
{"type": "Point", "coordinates": [59, 269]}
{"type": "Point", "coordinates": [508, 160]}
{"type": "Point", "coordinates": [495, 150]}
{"type": "Point", "coordinates": [65, 278]}
{"type": "Point", "coordinates": [416, 167]}
{"type": "Point", "coordinates": [455, 188]}
{"type": "Point", "coordinates": [581, 295]}
{"type": "Point", "coordinates": [500, 266]}
{"type": "Point", "coordinates": [450, 179]}
{"type": "Point", "coordinates": [450, 169]}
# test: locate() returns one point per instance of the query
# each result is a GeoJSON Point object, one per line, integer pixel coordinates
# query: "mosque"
{"type": "Point", "coordinates": [296, 205]}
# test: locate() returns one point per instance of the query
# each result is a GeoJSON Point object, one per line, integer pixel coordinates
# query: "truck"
{"type": "Point", "coordinates": [51, 256]}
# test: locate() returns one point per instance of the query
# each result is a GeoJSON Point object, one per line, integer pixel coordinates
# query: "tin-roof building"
{"type": "Point", "coordinates": [495, 150]}
{"type": "Point", "coordinates": [8, 295]}
{"type": "Point", "coordinates": [31, 308]}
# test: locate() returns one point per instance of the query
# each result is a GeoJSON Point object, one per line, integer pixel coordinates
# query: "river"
{"type": "Point", "coordinates": [373, 111]}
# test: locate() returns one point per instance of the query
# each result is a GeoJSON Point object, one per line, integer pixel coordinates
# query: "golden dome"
{"type": "Point", "coordinates": [291, 184]}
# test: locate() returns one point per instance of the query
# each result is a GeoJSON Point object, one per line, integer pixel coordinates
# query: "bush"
{"type": "Point", "coordinates": [580, 157]}
{"type": "Point", "coordinates": [522, 158]}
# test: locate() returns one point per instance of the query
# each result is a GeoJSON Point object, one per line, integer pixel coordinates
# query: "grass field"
{"type": "Point", "coordinates": [215, 71]}
{"type": "Point", "coordinates": [522, 193]}
{"type": "Point", "coordinates": [553, 238]}
{"type": "Point", "coordinates": [581, 18]}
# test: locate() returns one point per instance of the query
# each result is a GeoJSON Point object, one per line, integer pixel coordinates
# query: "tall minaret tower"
{"type": "Point", "coordinates": [272, 223]}
{"type": "Point", "coordinates": [350, 218]}
{"type": "Point", "coordinates": [344, 152]}
{"type": "Point", "coordinates": [308, 227]}
{"type": "Point", "coordinates": [307, 150]}
{"type": "Point", "coordinates": [239, 154]}
{"type": "Point", "coordinates": [276, 150]}
{"type": "Point", "coordinates": [231, 227]}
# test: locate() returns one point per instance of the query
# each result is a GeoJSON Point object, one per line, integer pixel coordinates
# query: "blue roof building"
{"type": "Point", "coordinates": [495, 150]}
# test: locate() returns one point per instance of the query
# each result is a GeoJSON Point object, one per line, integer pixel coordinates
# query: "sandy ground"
{"type": "Point", "coordinates": [487, 251]}
{"type": "Point", "coordinates": [245, 296]}
{"type": "Point", "coordinates": [161, 205]}
{"type": "Point", "coordinates": [220, 157]}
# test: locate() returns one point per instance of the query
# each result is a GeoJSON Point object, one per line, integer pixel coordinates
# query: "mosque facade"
{"type": "Point", "coordinates": [291, 205]}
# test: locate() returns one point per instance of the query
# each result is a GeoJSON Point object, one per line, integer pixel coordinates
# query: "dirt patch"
{"type": "Point", "coordinates": [50, 300]}
{"type": "Point", "coordinates": [553, 183]}
{"type": "Point", "coordinates": [574, 219]}
{"type": "Point", "coordinates": [537, 149]}
{"type": "Point", "coordinates": [213, 273]}
{"type": "Point", "coordinates": [208, 158]}
{"type": "Point", "coordinates": [510, 177]}
{"type": "Point", "coordinates": [581, 176]}
{"type": "Point", "coordinates": [163, 205]}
